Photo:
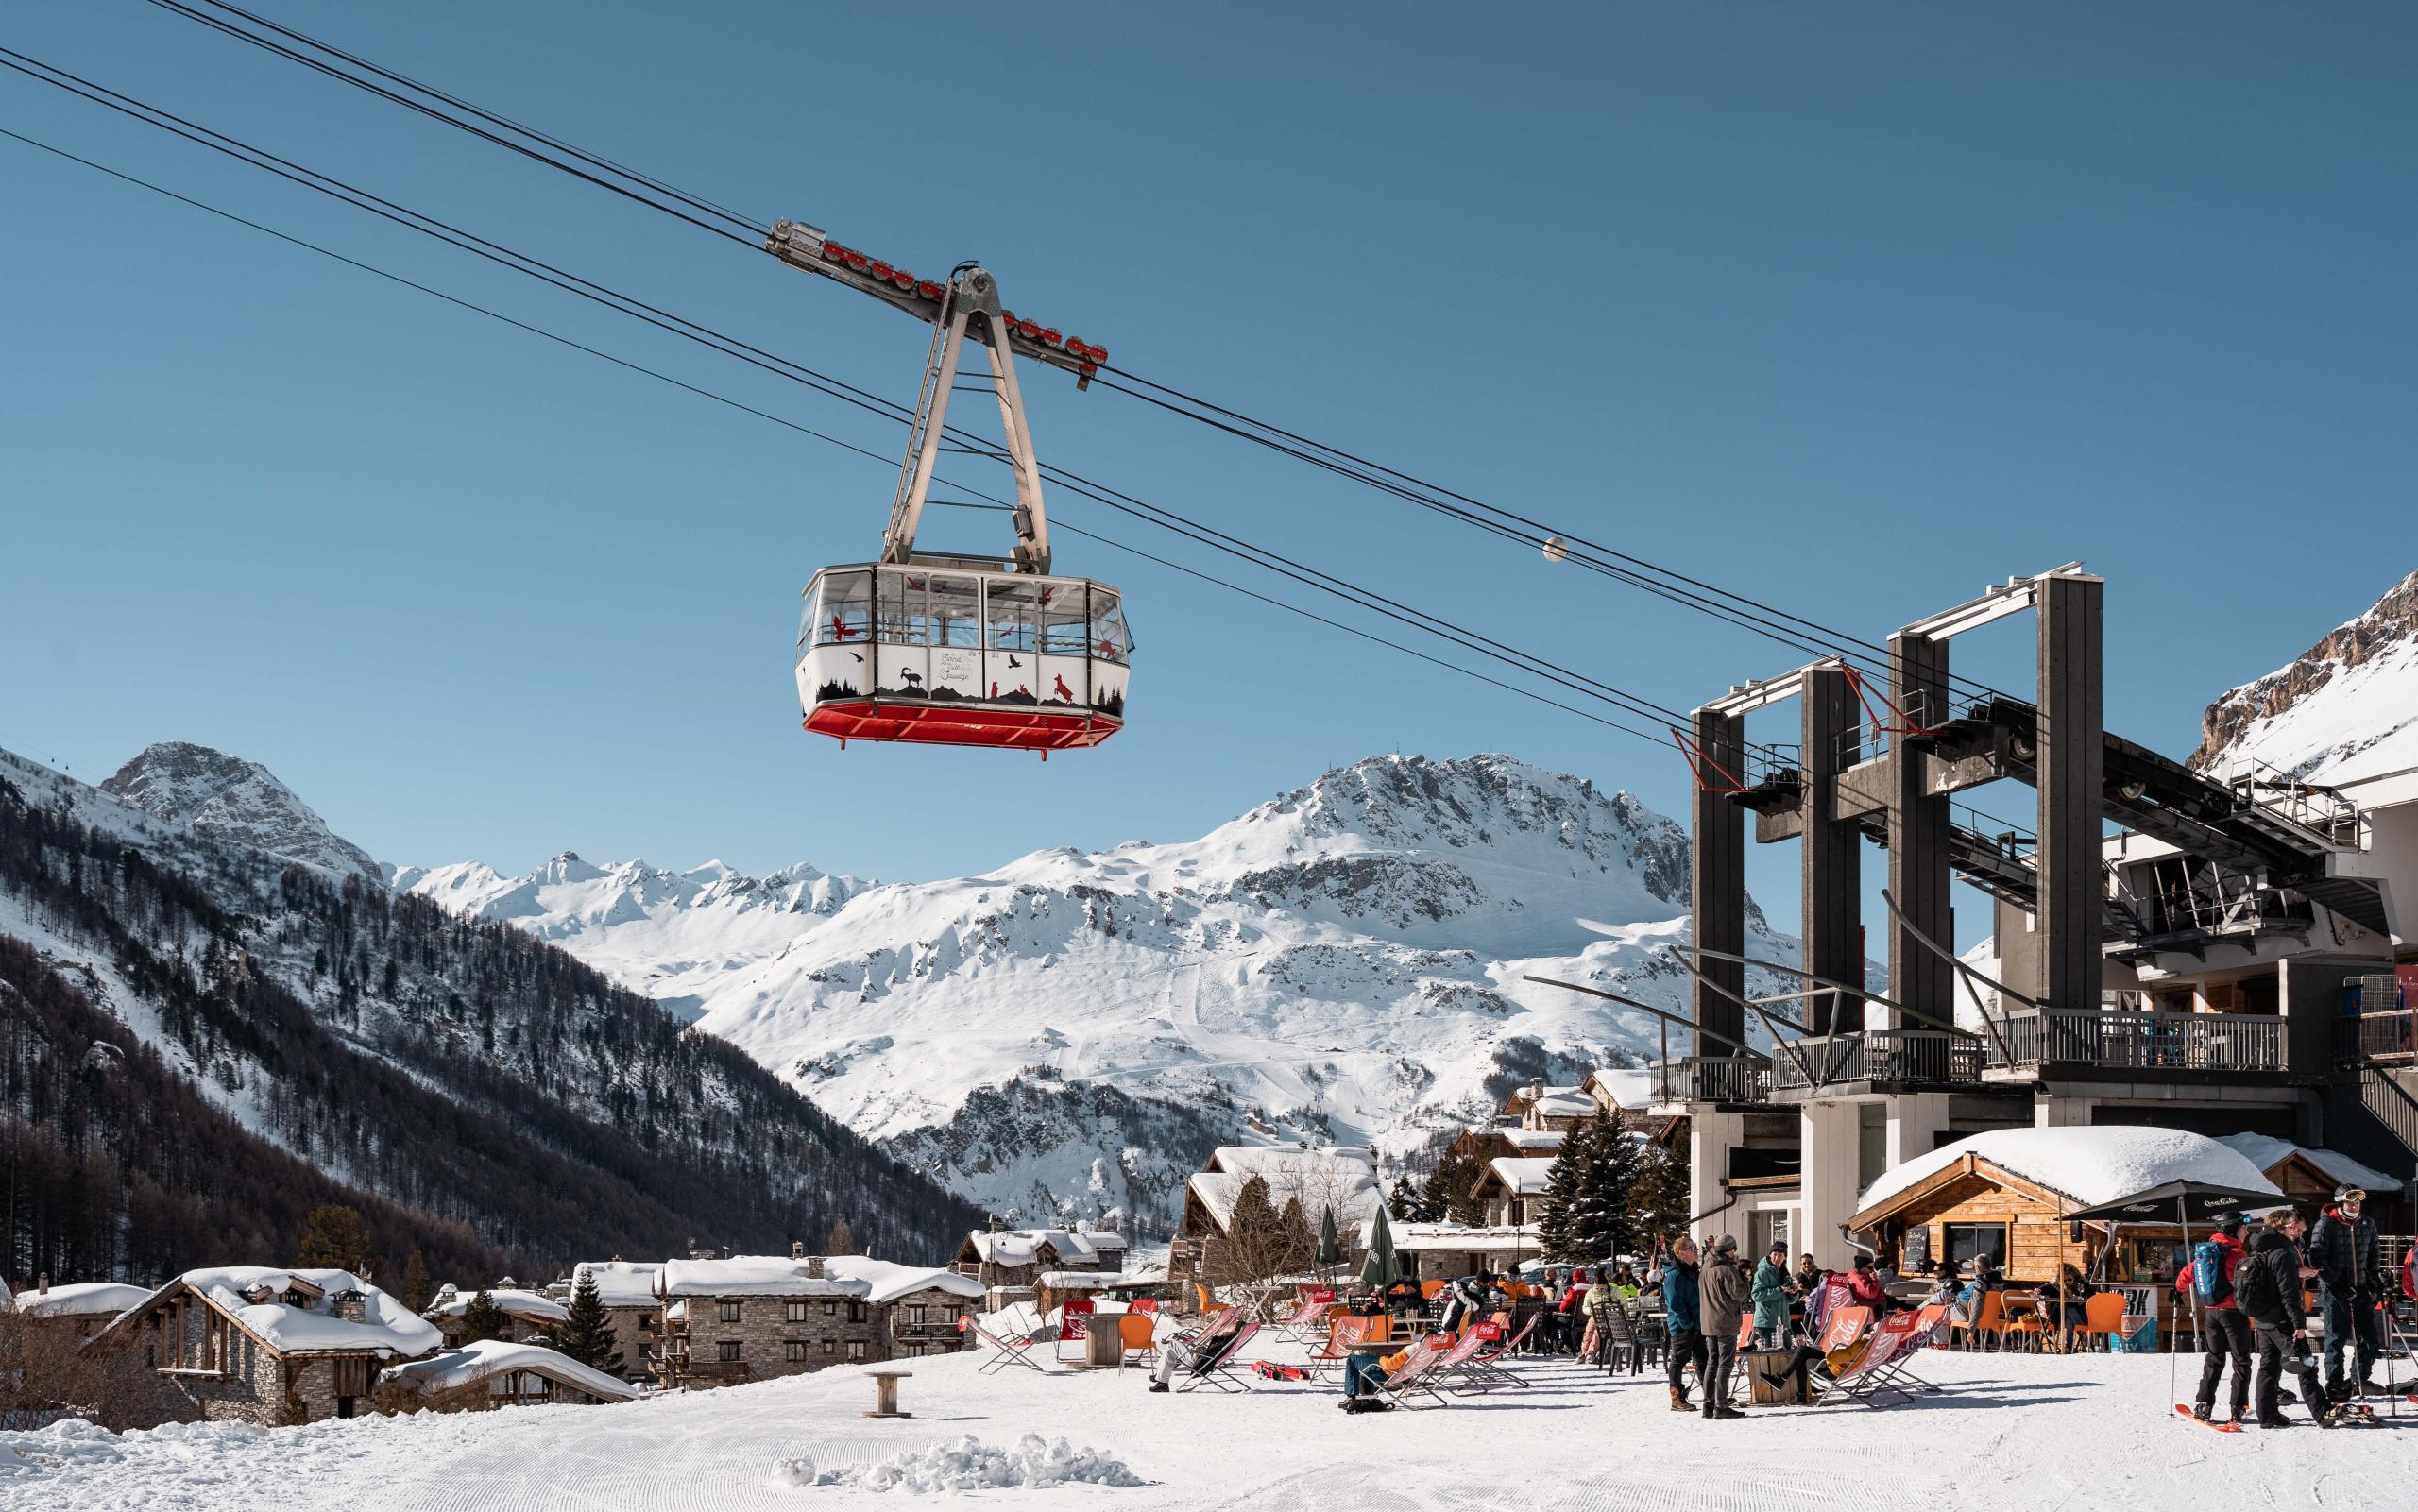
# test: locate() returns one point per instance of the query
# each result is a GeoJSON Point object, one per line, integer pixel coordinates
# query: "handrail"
{"type": "Point", "coordinates": [1882, 1055]}
{"type": "Point", "coordinates": [2123, 1039]}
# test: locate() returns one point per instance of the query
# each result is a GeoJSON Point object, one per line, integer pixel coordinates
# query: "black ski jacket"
{"type": "Point", "coordinates": [2345, 1251]}
{"type": "Point", "coordinates": [2267, 1283]}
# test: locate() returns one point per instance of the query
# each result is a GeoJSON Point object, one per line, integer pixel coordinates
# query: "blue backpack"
{"type": "Point", "coordinates": [2208, 1272]}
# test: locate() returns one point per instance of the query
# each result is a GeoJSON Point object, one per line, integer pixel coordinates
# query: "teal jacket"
{"type": "Point", "coordinates": [1770, 1292]}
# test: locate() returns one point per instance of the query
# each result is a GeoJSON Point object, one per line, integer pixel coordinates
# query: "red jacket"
{"type": "Point", "coordinates": [2186, 1280]}
{"type": "Point", "coordinates": [1868, 1291]}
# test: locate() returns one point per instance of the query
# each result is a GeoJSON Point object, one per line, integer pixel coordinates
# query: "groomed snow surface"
{"type": "Point", "coordinates": [2010, 1433]}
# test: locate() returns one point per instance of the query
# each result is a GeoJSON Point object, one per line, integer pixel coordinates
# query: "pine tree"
{"type": "Point", "coordinates": [1299, 1243]}
{"type": "Point", "coordinates": [1253, 1246]}
{"type": "Point", "coordinates": [841, 1240]}
{"type": "Point", "coordinates": [417, 1288]}
{"type": "Point", "coordinates": [1447, 1196]}
{"type": "Point", "coordinates": [1660, 1197]}
{"type": "Point", "coordinates": [1591, 1203]}
{"type": "Point", "coordinates": [1403, 1203]}
{"type": "Point", "coordinates": [484, 1319]}
{"type": "Point", "coordinates": [1559, 1231]}
{"type": "Point", "coordinates": [334, 1239]}
{"type": "Point", "coordinates": [587, 1334]}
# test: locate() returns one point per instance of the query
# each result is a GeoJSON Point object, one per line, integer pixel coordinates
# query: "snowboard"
{"type": "Point", "coordinates": [2183, 1410]}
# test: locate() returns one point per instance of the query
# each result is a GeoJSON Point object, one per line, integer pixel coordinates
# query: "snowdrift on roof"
{"type": "Point", "coordinates": [2087, 1165]}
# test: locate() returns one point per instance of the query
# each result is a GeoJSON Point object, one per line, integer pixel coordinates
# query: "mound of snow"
{"type": "Point", "coordinates": [967, 1464]}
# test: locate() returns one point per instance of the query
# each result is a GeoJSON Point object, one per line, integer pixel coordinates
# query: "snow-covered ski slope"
{"type": "Point", "coordinates": [2012, 1433]}
{"type": "Point", "coordinates": [1342, 963]}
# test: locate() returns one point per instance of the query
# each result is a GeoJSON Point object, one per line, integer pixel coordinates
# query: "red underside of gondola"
{"type": "Point", "coordinates": [956, 725]}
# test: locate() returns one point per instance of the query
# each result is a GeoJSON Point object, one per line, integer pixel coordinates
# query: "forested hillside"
{"type": "Point", "coordinates": [479, 1077]}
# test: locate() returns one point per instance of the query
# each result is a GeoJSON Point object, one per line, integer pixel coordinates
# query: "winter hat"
{"type": "Point", "coordinates": [1780, 1247]}
{"type": "Point", "coordinates": [2230, 1223]}
{"type": "Point", "coordinates": [1864, 1262]}
{"type": "Point", "coordinates": [1725, 1245]}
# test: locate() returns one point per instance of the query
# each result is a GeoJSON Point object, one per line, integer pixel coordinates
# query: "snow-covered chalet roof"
{"type": "Point", "coordinates": [1522, 1175]}
{"type": "Point", "coordinates": [1476, 1238]}
{"type": "Point", "coordinates": [1017, 1246]}
{"type": "Point", "coordinates": [890, 1281]}
{"type": "Point", "coordinates": [511, 1298]}
{"type": "Point", "coordinates": [753, 1276]}
{"type": "Point", "coordinates": [1563, 1102]}
{"type": "Point", "coordinates": [2265, 1151]}
{"type": "Point", "coordinates": [478, 1361]}
{"type": "Point", "coordinates": [2086, 1165]}
{"type": "Point", "coordinates": [621, 1283]}
{"type": "Point", "coordinates": [310, 1326]}
{"type": "Point", "coordinates": [1342, 1177]}
{"type": "Point", "coordinates": [82, 1299]}
{"type": "Point", "coordinates": [1627, 1087]}
{"type": "Point", "coordinates": [1537, 1139]}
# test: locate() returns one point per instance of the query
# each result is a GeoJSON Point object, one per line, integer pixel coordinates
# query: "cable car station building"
{"type": "Point", "coordinates": [2211, 952]}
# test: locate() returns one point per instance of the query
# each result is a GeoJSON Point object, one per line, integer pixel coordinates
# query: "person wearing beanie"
{"type": "Point", "coordinates": [1772, 1290]}
{"type": "Point", "coordinates": [1725, 1295]}
{"type": "Point", "coordinates": [1681, 1299]}
{"type": "Point", "coordinates": [2225, 1332]}
{"type": "Point", "coordinates": [2267, 1288]}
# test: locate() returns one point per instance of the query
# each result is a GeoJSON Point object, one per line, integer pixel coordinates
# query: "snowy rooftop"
{"type": "Point", "coordinates": [82, 1299]}
{"type": "Point", "coordinates": [2086, 1165]}
{"type": "Point", "coordinates": [2264, 1151]}
{"type": "Point", "coordinates": [754, 1276]}
{"type": "Point", "coordinates": [476, 1362]}
{"type": "Point", "coordinates": [1522, 1175]}
{"type": "Point", "coordinates": [1627, 1087]}
{"type": "Point", "coordinates": [1564, 1102]}
{"type": "Point", "coordinates": [311, 1325]}
{"type": "Point", "coordinates": [1476, 1238]}
{"type": "Point", "coordinates": [890, 1281]}
{"type": "Point", "coordinates": [1017, 1246]}
{"type": "Point", "coordinates": [1533, 1138]}
{"type": "Point", "coordinates": [621, 1283]}
{"type": "Point", "coordinates": [512, 1300]}
{"type": "Point", "coordinates": [1342, 1177]}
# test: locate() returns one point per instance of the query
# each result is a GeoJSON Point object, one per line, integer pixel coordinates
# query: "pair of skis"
{"type": "Point", "coordinates": [2344, 1413]}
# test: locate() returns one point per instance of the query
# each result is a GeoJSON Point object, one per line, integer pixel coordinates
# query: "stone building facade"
{"type": "Point", "coordinates": [754, 1318]}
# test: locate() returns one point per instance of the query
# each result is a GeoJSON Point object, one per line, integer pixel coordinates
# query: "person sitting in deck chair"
{"type": "Point", "coordinates": [1186, 1354]}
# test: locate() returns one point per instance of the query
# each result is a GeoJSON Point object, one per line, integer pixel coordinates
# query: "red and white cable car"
{"type": "Point", "coordinates": [957, 648]}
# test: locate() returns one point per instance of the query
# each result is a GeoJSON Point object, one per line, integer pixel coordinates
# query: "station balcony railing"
{"type": "Point", "coordinates": [1900, 1057]}
{"type": "Point", "coordinates": [2113, 1040]}
{"type": "Point", "coordinates": [2390, 1036]}
{"type": "Point", "coordinates": [1712, 1078]}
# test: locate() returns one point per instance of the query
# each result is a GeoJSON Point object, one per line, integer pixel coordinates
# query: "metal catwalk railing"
{"type": "Point", "coordinates": [2145, 1041]}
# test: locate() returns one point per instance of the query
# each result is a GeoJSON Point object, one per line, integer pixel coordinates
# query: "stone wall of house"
{"type": "Point", "coordinates": [634, 1333]}
{"type": "Point", "coordinates": [924, 1322]}
{"type": "Point", "coordinates": [765, 1333]}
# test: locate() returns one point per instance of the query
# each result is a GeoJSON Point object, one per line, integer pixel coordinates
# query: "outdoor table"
{"type": "Point", "coordinates": [1104, 1347]}
{"type": "Point", "coordinates": [885, 1393]}
{"type": "Point", "coordinates": [1761, 1392]}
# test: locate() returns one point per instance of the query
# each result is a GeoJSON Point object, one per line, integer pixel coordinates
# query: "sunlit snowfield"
{"type": "Point", "coordinates": [2035, 1433]}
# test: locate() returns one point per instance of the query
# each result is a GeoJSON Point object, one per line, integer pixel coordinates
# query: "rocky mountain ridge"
{"type": "Point", "coordinates": [2347, 706]}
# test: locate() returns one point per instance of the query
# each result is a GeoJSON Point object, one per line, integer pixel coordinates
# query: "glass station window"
{"type": "Point", "coordinates": [1012, 610]}
{"type": "Point", "coordinates": [902, 620]}
{"type": "Point", "coordinates": [956, 611]}
{"type": "Point", "coordinates": [1065, 626]}
{"type": "Point", "coordinates": [839, 611]}
{"type": "Point", "coordinates": [1110, 641]}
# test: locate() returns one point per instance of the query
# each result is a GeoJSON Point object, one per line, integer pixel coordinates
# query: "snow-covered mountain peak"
{"type": "Point", "coordinates": [2345, 708]}
{"type": "Point", "coordinates": [229, 798]}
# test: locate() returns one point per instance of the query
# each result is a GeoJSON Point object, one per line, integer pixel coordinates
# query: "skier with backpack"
{"type": "Point", "coordinates": [2225, 1332]}
{"type": "Point", "coordinates": [2267, 1289]}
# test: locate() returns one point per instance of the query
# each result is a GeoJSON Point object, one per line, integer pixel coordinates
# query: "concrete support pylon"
{"type": "Point", "coordinates": [1718, 880]}
{"type": "Point", "coordinates": [1918, 856]}
{"type": "Point", "coordinates": [1831, 853]}
{"type": "Point", "coordinates": [2072, 763]}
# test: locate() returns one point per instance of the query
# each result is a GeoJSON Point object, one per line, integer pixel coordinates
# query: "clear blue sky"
{"type": "Point", "coordinates": [1856, 307]}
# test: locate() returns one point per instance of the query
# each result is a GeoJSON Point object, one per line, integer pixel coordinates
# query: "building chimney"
{"type": "Point", "coordinates": [1536, 1089]}
{"type": "Point", "coordinates": [998, 1223]}
{"type": "Point", "coordinates": [353, 1307]}
{"type": "Point", "coordinates": [814, 1268]}
{"type": "Point", "coordinates": [44, 1289]}
{"type": "Point", "coordinates": [797, 1249]}
{"type": "Point", "coordinates": [260, 1292]}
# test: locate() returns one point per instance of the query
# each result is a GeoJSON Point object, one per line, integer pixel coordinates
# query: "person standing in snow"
{"type": "Point", "coordinates": [1771, 1292]}
{"type": "Point", "coordinates": [1724, 1297]}
{"type": "Point", "coordinates": [2344, 1248]}
{"type": "Point", "coordinates": [2224, 1332]}
{"type": "Point", "coordinates": [1681, 1318]}
{"type": "Point", "coordinates": [2267, 1288]}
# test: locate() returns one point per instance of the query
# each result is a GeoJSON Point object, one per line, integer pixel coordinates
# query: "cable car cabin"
{"type": "Point", "coordinates": [957, 657]}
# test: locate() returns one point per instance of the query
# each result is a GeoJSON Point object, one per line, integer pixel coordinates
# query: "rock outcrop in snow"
{"type": "Point", "coordinates": [2347, 706]}
{"type": "Point", "coordinates": [231, 799]}
{"type": "Point", "coordinates": [1068, 1035]}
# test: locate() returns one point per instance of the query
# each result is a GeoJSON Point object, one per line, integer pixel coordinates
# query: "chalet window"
{"type": "Point", "coordinates": [646, 1321]}
{"type": "Point", "coordinates": [856, 1312]}
{"type": "Point", "coordinates": [726, 1349]}
{"type": "Point", "coordinates": [793, 1351]}
{"type": "Point", "coordinates": [830, 1348]}
{"type": "Point", "coordinates": [1969, 1241]}
{"type": "Point", "coordinates": [914, 1311]}
{"type": "Point", "coordinates": [729, 1311]}
{"type": "Point", "coordinates": [830, 1309]}
{"type": "Point", "coordinates": [855, 1349]}
{"type": "Point", "coordinates": [796, 1312]}
{"type": "Point", "coordinates": [911, 1352]}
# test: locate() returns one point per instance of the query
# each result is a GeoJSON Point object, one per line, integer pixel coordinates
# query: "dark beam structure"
{"type": "Point", "coordinates": [1832, 857]}
{"type": "Point", "coordinates": [1918, 838]}
{"type": "Point", "coordinates": [1717, 881]}
{"type": "Point", "coordinates": [2072, 763]}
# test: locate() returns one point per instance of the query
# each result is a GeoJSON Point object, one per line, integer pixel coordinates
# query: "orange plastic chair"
{"type": "Point", "coordinates": [1427, 1290]}
{"type": "Point", "coordinates": [1746, 1331]}
{"type": "Point", "coordinates": [1138, 1335]}
{"type": "Point", "coordinates": [2103, 1317]}
{"type": "Point", "coordinates": [1988, 1317]}
{"type": "Point", "coordinates": [1208, 1303]}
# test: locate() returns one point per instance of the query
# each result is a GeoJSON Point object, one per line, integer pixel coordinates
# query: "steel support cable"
{"type": "Point", "coordinates": [1746, 613]}
{"type": "Point", "coordinates": [864, 452]}
{"type": "Point", "coordinates": [754, 234]}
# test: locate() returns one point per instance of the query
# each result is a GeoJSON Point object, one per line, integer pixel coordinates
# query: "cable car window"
{"type": "Point", "coordinates": [1013, 611]}
{"type": "Point", "coordinates": [1065, 629]}
{"type": "Point", "coordinates": [902, 620]}
{"type": "Point", "coordinates": [1109, 639]}
{"type": "Point", "coordinates": [956, 611]}
{"type": "Point", "coordinates": [840, 610]}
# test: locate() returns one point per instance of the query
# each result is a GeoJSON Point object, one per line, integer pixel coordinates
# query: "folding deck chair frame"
{"type": "Point", "coordinates": [1877, 1372]}
{"type": "Point", "coordinates": [1216, 1362]}
{"type": "Point", "coordinates": [1004, 1352]}
{"type": "Point", "coordinates": [1431, 1360]}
